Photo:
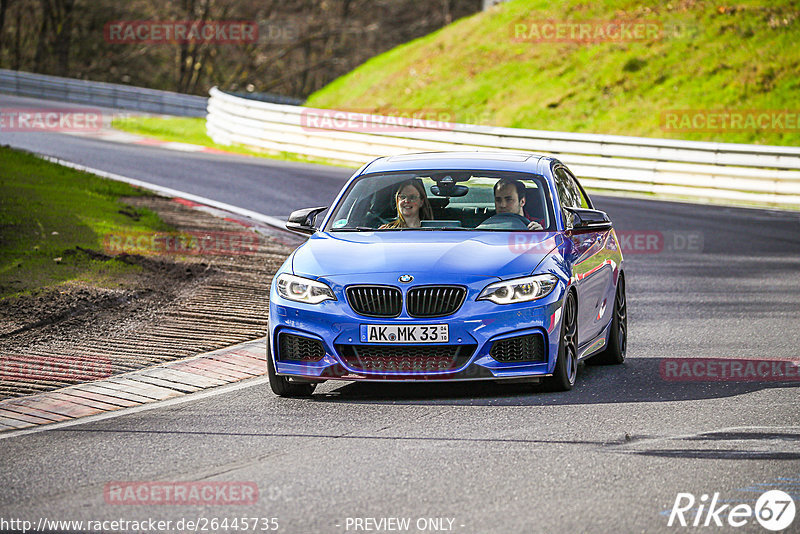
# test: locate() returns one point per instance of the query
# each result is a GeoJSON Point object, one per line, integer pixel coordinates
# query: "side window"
{"type": "Point", "coordinates": [569, 194]}
{"type": "Point", "coordinates": [564, 188]}
{"type": "Point", "coordinates": [578, 193]}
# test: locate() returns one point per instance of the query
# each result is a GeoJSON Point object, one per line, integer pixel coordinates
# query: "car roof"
{"type": "Point", "coordinates": [495, 161]}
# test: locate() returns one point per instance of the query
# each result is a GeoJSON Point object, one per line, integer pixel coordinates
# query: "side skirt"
{"type": "Point", "coordinates": [595, 345]}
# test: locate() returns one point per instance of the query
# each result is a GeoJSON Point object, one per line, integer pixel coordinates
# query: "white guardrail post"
{"type": "Point", "coordinates": [726, 172]}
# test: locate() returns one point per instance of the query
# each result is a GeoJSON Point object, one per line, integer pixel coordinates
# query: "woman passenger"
{"type": "Point", "coordinates": [412, 206]}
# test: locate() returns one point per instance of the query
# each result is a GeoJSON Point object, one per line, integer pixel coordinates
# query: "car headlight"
{"type": "Point", "coordinates": [519, 289]}
{"type": "Point", "coordinates": [301, 289]}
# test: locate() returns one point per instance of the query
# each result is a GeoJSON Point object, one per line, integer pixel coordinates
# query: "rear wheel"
{"type": "Point", "coordinates": [614, 353]}
{"type": "Point", "coordinates": [281, 385]}
{"type": "Point", "coordinates": [567, 360]}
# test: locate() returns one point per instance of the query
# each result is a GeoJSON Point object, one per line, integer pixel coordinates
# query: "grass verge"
{"type": "Point", "coordinates": [48, 213]}
{"type": "Point", "coordinates": [491, 68]}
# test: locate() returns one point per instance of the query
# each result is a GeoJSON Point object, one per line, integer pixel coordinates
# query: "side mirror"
{"type": "Point", "coordinates": [302, 221]}
{"type": "Point", "coordinates": [586, 220]}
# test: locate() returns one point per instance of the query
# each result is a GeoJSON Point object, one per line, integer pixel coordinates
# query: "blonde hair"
{"type": "Point", "coordinates": [425, 210]}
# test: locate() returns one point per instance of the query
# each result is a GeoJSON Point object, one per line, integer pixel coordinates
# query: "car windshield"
{"type": "Point", "coordinates": [445, 200]}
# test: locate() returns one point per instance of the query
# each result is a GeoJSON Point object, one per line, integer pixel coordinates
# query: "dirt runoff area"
{"type": "Point", "coordinates": [202, 289]}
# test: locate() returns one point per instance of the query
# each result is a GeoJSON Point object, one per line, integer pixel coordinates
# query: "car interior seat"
{"type": "Point", "coordinates": [535, 205]}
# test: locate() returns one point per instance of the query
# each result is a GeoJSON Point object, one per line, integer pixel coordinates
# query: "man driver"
{"type": "Point", "coordinates": [509, 197]}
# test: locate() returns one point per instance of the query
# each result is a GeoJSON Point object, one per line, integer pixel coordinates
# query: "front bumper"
{"type": "Point", "coordinates": [473, 330]}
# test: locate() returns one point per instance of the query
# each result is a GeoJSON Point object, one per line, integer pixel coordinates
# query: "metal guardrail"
{"type": "Point", "coordinates": [101, 94]}
{"type": "Point", "coordinates": [268, 97]}
{"type": "Point", "coordinates": [726, 172]}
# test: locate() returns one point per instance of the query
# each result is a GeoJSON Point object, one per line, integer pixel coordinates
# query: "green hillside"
{"type": "Point", "coordinates": [491, 69]}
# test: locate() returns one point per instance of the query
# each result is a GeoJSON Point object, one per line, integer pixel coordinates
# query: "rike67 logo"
{"type": "Point", "coordinates": [774, 510]}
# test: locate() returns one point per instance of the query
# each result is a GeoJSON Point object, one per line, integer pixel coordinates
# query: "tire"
{"type": "Point", "coordinates": [566, 369]}
{"type": "Point", "coordinates": [281, 385]}
{"type": "Point", "coordinates": [614, 353]}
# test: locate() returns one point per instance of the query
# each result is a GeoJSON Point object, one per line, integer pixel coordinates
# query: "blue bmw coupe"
{"type": "Point", "coordinates": [449, 266]}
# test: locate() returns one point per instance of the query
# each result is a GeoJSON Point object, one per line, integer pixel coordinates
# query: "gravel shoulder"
{"type": "Point", "coordinates": [177, 305]}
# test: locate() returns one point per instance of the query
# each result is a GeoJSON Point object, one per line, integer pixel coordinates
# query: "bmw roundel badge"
{"type": "Point", "coordinates": [406, 278]}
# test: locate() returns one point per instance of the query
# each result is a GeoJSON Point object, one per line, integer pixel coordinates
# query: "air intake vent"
{"type": "Point", "coordinates": [375, 301]}
{"type": "Point", "coordinates": [405, 358]}
{"type": "Point", "coordinates": [434, 301]}
{"type": "Point", "coordinates": [292, 347]}
{"type": "Point", "coordinates": [528, 348]}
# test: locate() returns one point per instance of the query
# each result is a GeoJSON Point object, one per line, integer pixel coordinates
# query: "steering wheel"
{"type": "Point", "coordinates": [372, 218]}
{"type": "Point", "coordinates": [504, 221]}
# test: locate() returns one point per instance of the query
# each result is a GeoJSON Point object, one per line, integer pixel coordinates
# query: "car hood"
{"type": "Point", "coordinates": [501, 254]}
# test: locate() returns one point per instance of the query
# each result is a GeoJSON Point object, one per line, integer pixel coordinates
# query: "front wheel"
{"type": "Point", "coordinates": [614, 353]}
{"type": "Point", "coordinates": [567, 360]}
{"type": "Point", "coordinates": [281, 385]}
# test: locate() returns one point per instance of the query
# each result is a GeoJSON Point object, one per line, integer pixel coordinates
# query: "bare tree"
{"type": "Point", "coordinates": [3, 9]}
{"type": "Point", "coordinates": [55, 36]}
{"type": "Point", "coordinates": [17, 42]}
{"type": "Point", "coordinates": [63, 10]}
{"type": "Point", "coordinates": [304, 44]}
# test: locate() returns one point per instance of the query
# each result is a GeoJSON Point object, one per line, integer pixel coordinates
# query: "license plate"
{"type": "Point", "coordinates": [418, 333]}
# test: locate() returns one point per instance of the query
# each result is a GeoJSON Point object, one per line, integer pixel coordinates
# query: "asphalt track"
{"type": "Point", "coordinates": [609, 456]}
